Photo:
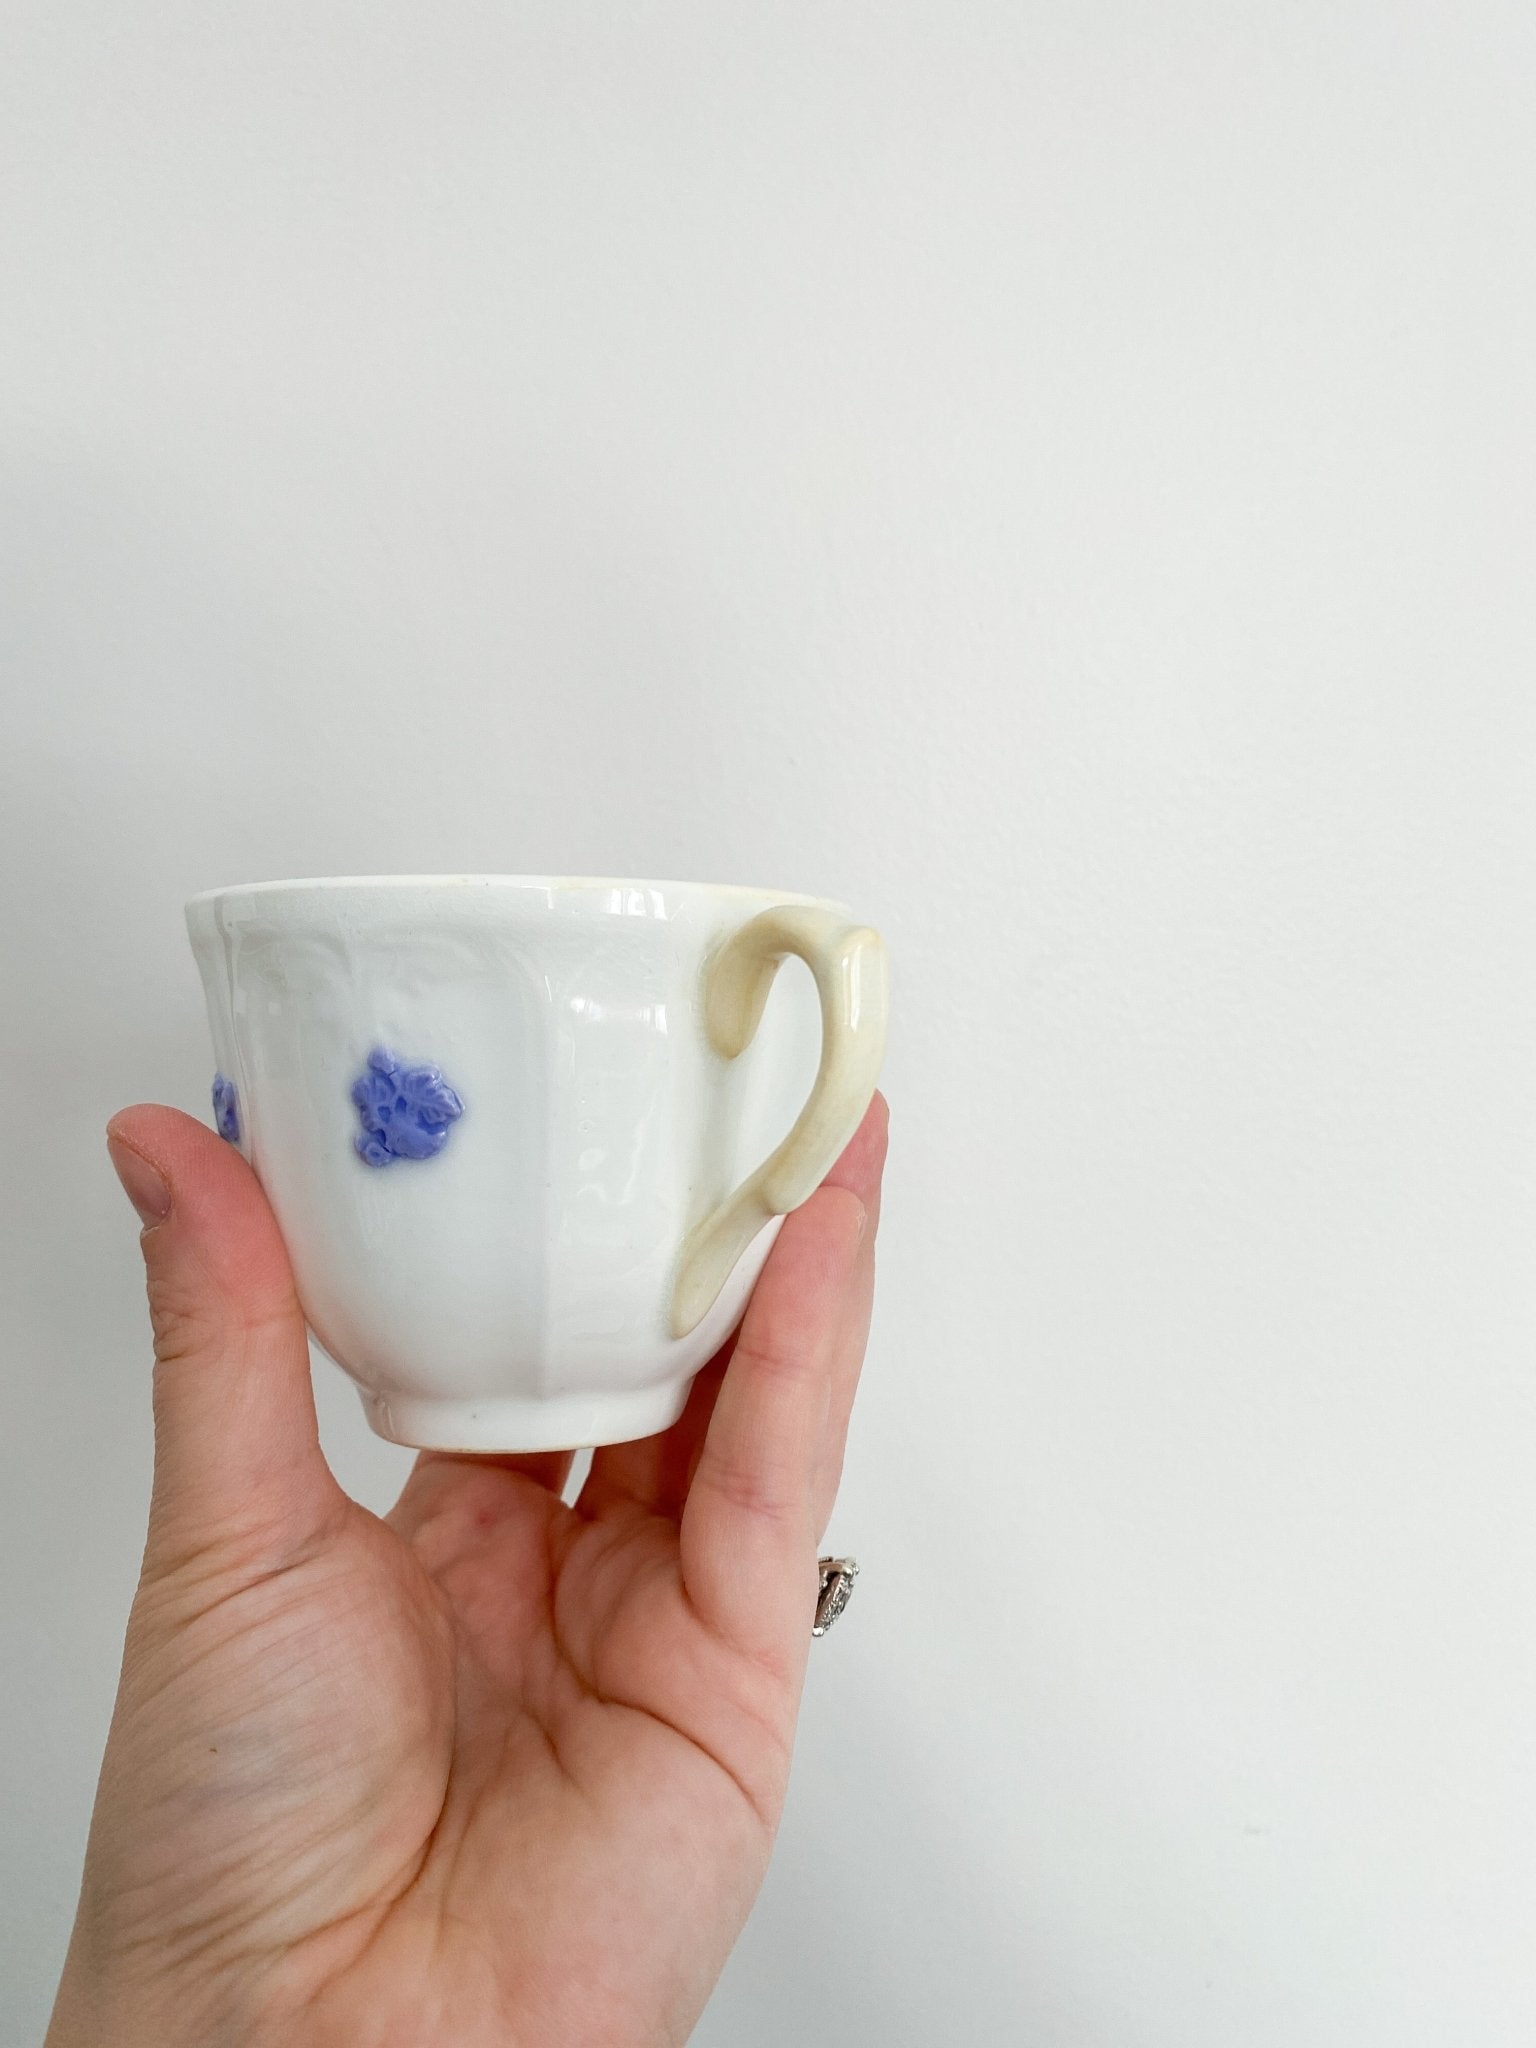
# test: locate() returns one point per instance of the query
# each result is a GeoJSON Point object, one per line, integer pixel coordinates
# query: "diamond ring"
{"type": "Point", "coordinates": [837, 1577]}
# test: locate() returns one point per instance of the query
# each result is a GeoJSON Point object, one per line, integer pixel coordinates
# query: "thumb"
{"type": "Point", "coordinates": [237, 1446]}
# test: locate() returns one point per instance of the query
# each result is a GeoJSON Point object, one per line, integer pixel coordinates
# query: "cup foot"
{"type": "Point", "coordinates": [521, 1422]}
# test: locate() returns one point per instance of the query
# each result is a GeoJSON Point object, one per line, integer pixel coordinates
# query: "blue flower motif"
{"type": "Point", "coordinates": [406, 1111]}
{"type": "Point", "coordinates": [226, 1109]}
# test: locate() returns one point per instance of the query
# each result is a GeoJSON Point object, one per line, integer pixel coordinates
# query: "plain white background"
{"type": "Point", "coordinates": [1063, 478]}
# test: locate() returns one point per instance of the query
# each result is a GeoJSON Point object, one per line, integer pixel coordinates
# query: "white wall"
{"type": "Point", "coordinates": [1064, 478]}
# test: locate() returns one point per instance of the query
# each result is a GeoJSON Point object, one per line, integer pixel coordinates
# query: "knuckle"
{"type": "Point", "coordinates": [186, 1323]}
{"type": "Point", "coordinates": [752, 1486]}
{"type": "Point", "coordinates": [192, 1319]}
{"type": "Point", "coordinates": [779, 1357]}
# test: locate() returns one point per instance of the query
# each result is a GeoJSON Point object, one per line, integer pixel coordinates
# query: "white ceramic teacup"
{"type": "Point", "coordinates": [529, 1139]}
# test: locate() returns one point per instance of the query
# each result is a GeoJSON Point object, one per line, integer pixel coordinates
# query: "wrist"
{"type": "Point", "coordinates": [101, 2005]}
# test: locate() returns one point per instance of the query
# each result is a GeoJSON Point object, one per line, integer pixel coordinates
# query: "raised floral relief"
{"type": "Point", "coordinates": [406, 1111]}
{"type": "Point", "coordinates": [226, 1109]}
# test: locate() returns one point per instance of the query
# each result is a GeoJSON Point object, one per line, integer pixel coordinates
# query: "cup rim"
{"type": "Point", "coordinates": [313, 884]}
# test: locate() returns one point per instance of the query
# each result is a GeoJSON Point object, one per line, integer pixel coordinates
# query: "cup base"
{"type": "Point", "coordinates": [520, 1422]}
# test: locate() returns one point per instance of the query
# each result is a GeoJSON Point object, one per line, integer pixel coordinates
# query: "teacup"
{"type": "Point", "coordinates": [529, 1139]}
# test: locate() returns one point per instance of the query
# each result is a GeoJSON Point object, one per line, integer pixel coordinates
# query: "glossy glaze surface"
{"type": "Point", "coordinates": [514, 1288]}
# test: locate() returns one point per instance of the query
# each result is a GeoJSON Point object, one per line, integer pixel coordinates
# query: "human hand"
{"type": "Point", "coordinates": [490, 1769]}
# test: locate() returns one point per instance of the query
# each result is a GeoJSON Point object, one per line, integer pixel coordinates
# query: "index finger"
{"type": "Point", "coordinates": [753, 1516]}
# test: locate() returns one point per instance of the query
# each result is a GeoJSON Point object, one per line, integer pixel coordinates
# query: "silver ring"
{"type": "Point", "coordinates": [837, 1577]}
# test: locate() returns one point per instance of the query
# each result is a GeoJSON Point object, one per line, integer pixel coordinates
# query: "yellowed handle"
{"type": "Point", "coordinates": [853, 976]}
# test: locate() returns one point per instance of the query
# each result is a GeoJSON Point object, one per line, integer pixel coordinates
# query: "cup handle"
{"type": "Point", "coordinates": [852, 974]}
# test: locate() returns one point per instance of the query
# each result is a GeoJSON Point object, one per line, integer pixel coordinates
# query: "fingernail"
{"type": "Point", "coordinates": [144, 1185]}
